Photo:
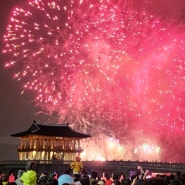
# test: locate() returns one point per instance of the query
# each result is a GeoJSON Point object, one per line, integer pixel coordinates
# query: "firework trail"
{"type": "Point", "coordinates": [100, 64]}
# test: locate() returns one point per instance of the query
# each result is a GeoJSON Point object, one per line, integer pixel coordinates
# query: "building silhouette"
{"type": "Point", "coordinates": [49, 142]}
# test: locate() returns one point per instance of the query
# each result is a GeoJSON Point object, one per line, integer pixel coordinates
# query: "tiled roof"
{"type": "Point", "coordinates": [62, 130]}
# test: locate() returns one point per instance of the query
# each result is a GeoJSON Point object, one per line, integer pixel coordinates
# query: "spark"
{"type": "Point", "coordinates": [100, 64]}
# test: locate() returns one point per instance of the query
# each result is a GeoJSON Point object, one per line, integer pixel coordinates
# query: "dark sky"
{"type": "Point", "coordinates": [17, 112]}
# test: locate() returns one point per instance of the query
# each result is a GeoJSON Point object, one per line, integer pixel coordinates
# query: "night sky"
{"type": "Point", "coordinates": [17, 111]}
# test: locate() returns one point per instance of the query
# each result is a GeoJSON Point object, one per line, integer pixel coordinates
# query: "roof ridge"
{"type": "Point", "coordinates": [58, 130]}
{"type": "Point", "coordinates": [51, 124]}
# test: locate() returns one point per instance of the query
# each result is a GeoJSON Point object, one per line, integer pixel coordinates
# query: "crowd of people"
{"type": "Point", "coordinates": [77, 175]}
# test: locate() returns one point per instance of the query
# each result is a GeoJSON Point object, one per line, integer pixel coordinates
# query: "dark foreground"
{"type": "Point", "coordinates": [100, 166]}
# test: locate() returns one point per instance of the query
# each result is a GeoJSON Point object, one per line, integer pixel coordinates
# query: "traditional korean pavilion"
{"type": "Point", "coordinates": [49, 142]}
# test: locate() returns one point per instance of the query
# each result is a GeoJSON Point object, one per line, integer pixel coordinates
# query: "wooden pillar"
{"type": "Point", "coordinates": [21, 143]}
{"type": "Point", "coordinates": [31, 143]}
{"type": "Point", "coordinates": [24, 143]}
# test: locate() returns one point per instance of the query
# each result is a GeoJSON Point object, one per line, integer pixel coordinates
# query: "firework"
{"type": "Point", "coordinates": [101, 64]}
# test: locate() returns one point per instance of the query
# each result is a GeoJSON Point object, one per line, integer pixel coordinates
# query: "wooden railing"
{"type": "Point", "coordinates": [49, 148]}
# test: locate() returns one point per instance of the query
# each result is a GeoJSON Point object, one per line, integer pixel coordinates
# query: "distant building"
{"type": "Point", "coordinates": [49, 142]}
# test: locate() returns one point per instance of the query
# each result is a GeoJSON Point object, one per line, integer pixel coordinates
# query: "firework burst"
{"type": "Point", "coordinates": [99, 63]}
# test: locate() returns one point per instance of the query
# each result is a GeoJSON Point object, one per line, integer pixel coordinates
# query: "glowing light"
{"type": "Point", "coordinates": [148, 150]}
{"type": "Point", "coordinates": [100, 158]}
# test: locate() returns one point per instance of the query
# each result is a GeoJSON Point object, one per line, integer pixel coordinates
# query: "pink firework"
{"type": "Point", "coordinates": [100, 63]}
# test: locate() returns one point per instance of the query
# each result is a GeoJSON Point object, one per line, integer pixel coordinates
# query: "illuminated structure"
{"type": "Point", "coordinates": [49, 142]}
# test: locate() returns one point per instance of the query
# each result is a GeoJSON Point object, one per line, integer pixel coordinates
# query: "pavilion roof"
{"type": "Point", "coordinates": [58, 130]}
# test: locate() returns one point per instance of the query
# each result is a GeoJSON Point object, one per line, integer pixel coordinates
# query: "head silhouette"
{"type": "Point", "coordinates": [31, 165]}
